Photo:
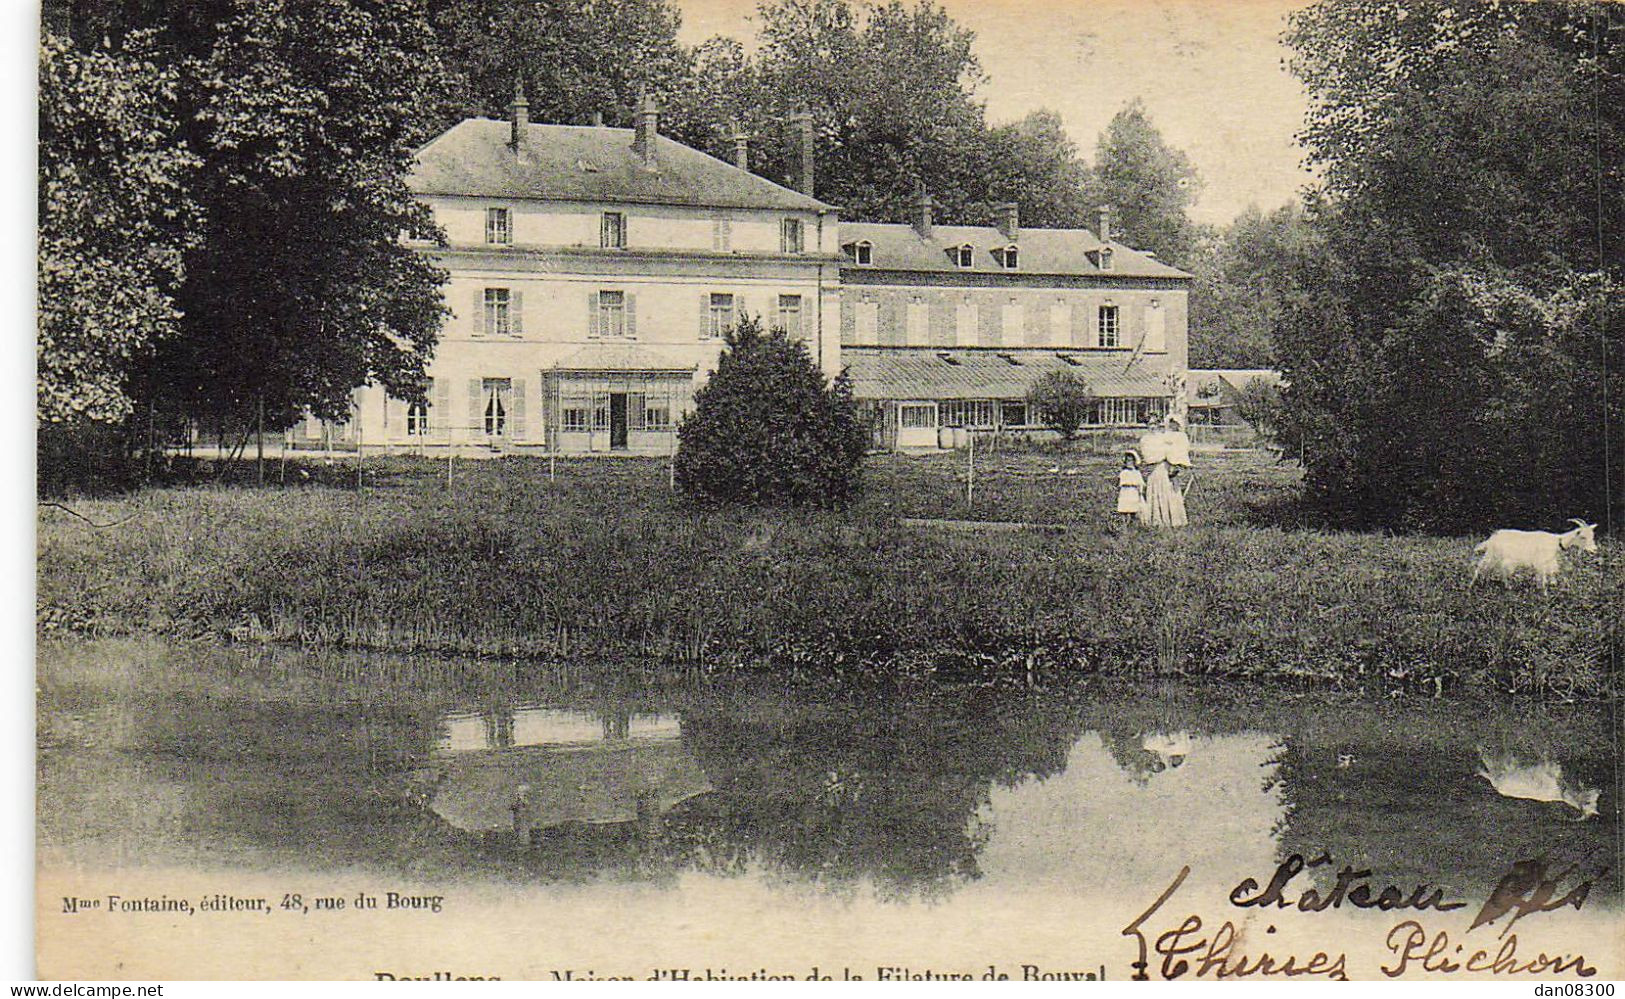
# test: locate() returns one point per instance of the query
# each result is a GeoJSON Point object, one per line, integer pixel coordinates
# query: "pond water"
{"type": "Point", "coordinates": [506, 777]}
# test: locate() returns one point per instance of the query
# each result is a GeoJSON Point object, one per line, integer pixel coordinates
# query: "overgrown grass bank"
{"type": "Point", "coordinates": [604, 562]}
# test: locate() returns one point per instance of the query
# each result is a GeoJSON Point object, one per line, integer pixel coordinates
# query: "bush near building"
{"type": "Point", "coordinates": [1061, 401]}
{"type": "Point", "coordinates": [768, 428]}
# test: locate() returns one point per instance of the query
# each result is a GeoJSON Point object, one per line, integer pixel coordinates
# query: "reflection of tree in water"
{"type": "Point", "coordinates": [892, 793]}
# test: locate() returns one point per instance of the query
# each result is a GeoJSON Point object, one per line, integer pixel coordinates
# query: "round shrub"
{"type": "Point", "coordinates": [768, 427]}
{"type": "Point", "coordinates": [1061, 401]}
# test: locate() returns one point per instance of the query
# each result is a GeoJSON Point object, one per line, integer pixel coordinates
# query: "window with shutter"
{"type": "Point", "coordinates": [440, 410]}
{"type": "Point", "coordinates": [790, 239]}
{"type": "Point", "coordinates": [476, 406]}
{"type": "Point", "coordinates": [516, 411]}
{"type": "Point", "coordinates": [498, 312]}
{"type": "Point", "coordinates": [612, 233]}
{"type": "Point", "coordinates": [790, 314]}
{"type": "Point", "coordinates": [721, 315]}
{"type": "Point", "coordinates": [611, 313]}
{"type": "Point", "coordinates": [1107, 330]}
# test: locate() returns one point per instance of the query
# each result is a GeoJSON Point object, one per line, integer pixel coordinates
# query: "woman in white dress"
{"type": "Point", "coordinates": [1166, 451]}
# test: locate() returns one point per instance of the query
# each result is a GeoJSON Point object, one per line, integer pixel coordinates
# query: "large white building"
{"type": "Point", "coordinates": [592, 272]}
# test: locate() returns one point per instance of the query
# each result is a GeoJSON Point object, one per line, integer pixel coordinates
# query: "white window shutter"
{"type": "Point", "coordinates": [631, 314]}
{"type": "Point", "coordinates": [739, 310]}
{"type": "Point", "coordinates": [441, 409]}
{"type": "Point", "coordinates": [478, 324]}
{"type": "Point", "coordinates": [592, 313]}
{"type": "Point", "coordinates": [516, 410]}
{"type": "Point", "coordinates": [516, 314]}
{"type": "Point", "coordinates": [705, 315]}
{"type": "Point", "coordinates": [476, 407]}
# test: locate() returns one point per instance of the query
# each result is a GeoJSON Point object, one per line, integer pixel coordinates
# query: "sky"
{"type": "Point", "coordinates": [1210, 73]}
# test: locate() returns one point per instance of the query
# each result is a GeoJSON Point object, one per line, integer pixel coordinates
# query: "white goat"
{"type": "Point", "coordinates": [1541, 781]}
{"type": "Point", "coordinates": [1506, 551]}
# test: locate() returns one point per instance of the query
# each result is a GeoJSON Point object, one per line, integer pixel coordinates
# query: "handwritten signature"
{"type": "Point", "coordinates": [1526, 889]}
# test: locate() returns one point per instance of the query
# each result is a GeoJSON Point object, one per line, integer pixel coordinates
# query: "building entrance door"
{"type": "Point", "coordinates": [617, 421]}
{"type": "Point", "coordinates": [916, 424]}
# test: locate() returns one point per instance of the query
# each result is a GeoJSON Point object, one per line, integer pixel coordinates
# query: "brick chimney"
{"type": "Point", "coordinates": [922, 215]}
{"type": "Point", "coordinates": [1009, 216]}
{"type": "Point", "coordinates": [803, 123]}
{"type": "Point", "coordinates": [647, 127]}
{"type": "Point", "coordinates": [520, 109]}
{"type": "Point", "coordinates": [1105, 232]}
{"type": "Point", "coordinates": [741, 148]}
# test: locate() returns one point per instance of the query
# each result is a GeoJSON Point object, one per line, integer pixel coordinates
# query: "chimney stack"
{"type": "Point", "coordinates": [922, 215]}
{"type": "Point", "coordinates": [521, 115]}
{"type": "Point", "coordinates": [803, 123]}
{"type": "Point", "coordinates": [1009, 215]}
{"type": "Point", "coordinates": [648, 126]}
{"type": "Point", "coordinates": [741, 148]}
{"type": "Point", "coordinates": [1105, 232]}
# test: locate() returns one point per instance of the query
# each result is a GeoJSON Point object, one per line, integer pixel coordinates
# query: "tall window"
{"type": "Point", "coordinates": [965, 256]}
{"type": "Point", "coordinates": [1109, 332]}
{"type": "Point", "coordinates": [498, 312]}
{"type": "Point", "coordinates": [612, 231]}
{"type": "Point", "coordinates": [722, 233]}
{"type": "Point", "coordinates": [1105, 258]}
{"type": "Point", "coordinates": [498, 395]}
{"type": "Point", "coordinates": [417, 413]}
{"type": "Point", "coordinates": [498, 226]}
{"type": "Point", "coordinates": [790, 237]}
{"type": "Point", "coordinates": [721, 315]}
{"type": "Point", "coordinates": [1010, 257]}
{"type": "Point", "coordinates": [790, 314]}
{"type": "Point", "coordinates": [612, 313]}
{"type": "Point", "coordinates": [864, 253]}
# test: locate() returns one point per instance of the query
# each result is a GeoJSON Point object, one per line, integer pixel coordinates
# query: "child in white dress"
{"type": "Point", "coordinates": [1130, 489]}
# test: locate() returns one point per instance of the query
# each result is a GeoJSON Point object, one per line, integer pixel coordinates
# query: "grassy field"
{"type": "Point", "coordinates": [604, 563]}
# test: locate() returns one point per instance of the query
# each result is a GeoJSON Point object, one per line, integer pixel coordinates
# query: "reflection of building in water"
{"type": "Point", "coordinates": [531, 769]}
{"type": "Point", "coordinates": [1219, 811]}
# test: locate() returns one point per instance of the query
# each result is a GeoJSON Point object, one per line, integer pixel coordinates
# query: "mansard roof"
{"type": "Point", "coordinates": [899, 247]}
{"type": "Point", "coordinates": [588, 163]}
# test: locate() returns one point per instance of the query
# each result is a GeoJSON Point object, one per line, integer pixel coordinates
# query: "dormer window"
{"type": "Point", "coordinates": [864, 253]}
{"type": "Point", "coordinates": [1105, 258]}
{"type": "Point", "coordinates": [499, 226]}
{"type": "Point", "coordinates": [1008, 256]}
{"type": "Point", "coordinates": [965, 255]}
{"type": "Point", "coordinates": [790, 236]}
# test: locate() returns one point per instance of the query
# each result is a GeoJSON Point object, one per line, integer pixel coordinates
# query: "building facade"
{"type": "Point", "coordinates": [592, 272]}
{"type": "Point", "coordinates": [945, 328]}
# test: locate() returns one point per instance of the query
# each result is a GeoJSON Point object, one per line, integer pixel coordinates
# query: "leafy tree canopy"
{"type": "Point", "coordinates": [1149, 185]}
{"type": "Point", "coordinates": [114, 217]}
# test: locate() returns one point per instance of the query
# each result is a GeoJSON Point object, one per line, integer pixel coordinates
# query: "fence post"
{"type": "Point", "coordinates": [970, 473]}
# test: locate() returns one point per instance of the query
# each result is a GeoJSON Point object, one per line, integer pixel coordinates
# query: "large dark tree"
{"type": "Point", "coordinates": [1242, 276]}
{"type": "Point", "coordinates": [1455, 358]}
{"type": "Point", "coordinates": [301, 287]}
{"type": "Point", "coordinates": [1149, 184]}
{"type": "Point", "coordinates": [114, 220]}
{"type": "Point", "coordinates": [574, 57]}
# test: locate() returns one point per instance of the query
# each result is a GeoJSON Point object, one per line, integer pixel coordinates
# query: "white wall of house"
{"type": "Point", "coordinates": [648, 227]}
{"type": "Point", "coordinates": [557, 279]}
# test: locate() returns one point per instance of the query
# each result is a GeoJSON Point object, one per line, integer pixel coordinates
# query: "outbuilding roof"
{"type": "Point", "coordinates": [475, 158]}
{"type": "Point", "coordinates": [991, 373]}
{"type": "Point", "coordinates": [899, 247]}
